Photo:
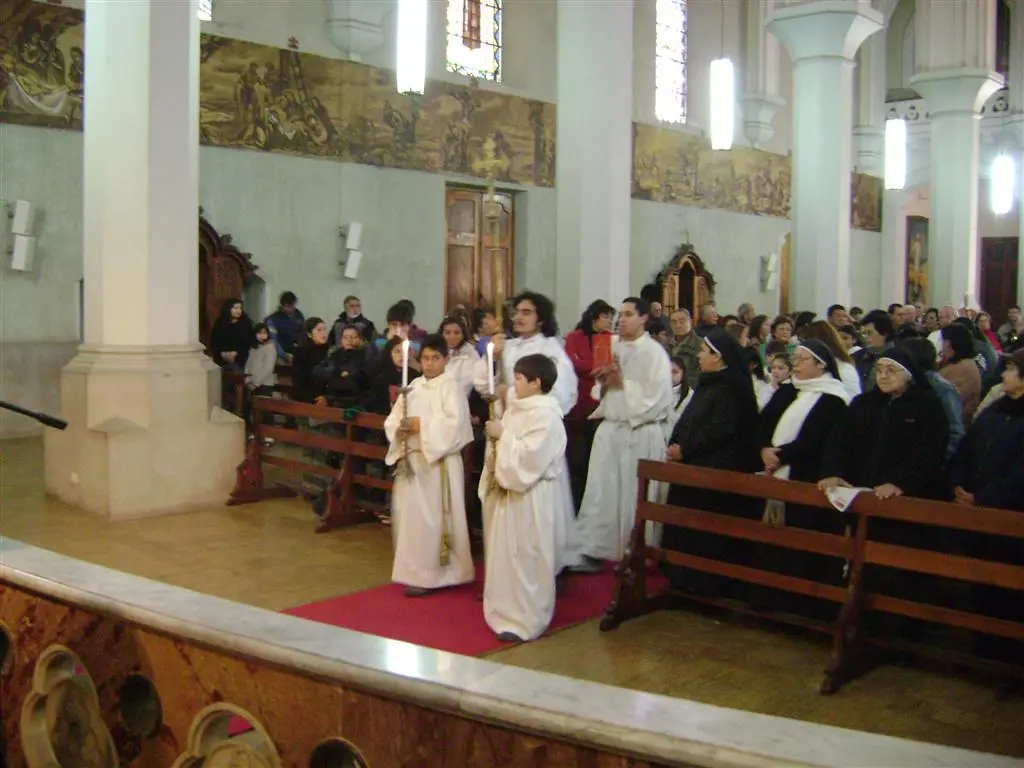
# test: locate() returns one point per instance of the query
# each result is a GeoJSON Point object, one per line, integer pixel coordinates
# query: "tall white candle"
{"type": "Point", "coordinates": [405, 364]}
{"type": "Point", "coordinates": [490, 367]}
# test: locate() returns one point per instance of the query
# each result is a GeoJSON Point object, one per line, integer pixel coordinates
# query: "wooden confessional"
{"type": "Point", "coordinates": [223, 273]}
{"type": "Point", "coordinates": [685, 283]}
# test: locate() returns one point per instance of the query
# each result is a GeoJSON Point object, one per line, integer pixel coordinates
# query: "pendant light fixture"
{"type": "Point", "coordinates": [895, 152]}
{"type": "Point", "coordinates": [723, 95]}
{"type": "Point", "coordinates": [411, 46]}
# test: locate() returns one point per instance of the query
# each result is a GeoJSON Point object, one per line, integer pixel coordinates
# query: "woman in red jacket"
{"type": "Point", "coordinates": [597, 320]}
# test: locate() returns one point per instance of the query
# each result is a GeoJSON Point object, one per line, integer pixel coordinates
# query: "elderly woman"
{"type": "Point", "coordinates": [892, 440]}
{"type": "Point", "coordinates": [717, 430]}
{"type": "Point", "coordinates": [793, 431]}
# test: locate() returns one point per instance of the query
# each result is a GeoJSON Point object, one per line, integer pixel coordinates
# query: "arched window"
{"type": "Point", "coordinates": [205, 11]}
{"type": "Point", "coordinates": [670, 61]}
{"type": "Point", "coordinates": [474, 38]}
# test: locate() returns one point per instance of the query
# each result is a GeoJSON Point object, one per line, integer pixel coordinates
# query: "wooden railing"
{"type": "Point", "coordinates": [346, 439]}
{"type": "Point", "coordinates": [857, 548]}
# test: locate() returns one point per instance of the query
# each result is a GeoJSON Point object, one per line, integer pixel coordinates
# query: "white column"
{"type": "Point", "coordinates": [822, 38]}
{"type": "Point", "coordinates": [955, 47]}
{"type": "Point", "coordinates": [141, 174]}
{"type": "Point", "coordinates": [869, 121]}
{"type": "Point", "coordinates": [893, 273]}
{"type": "Point", "coordinates": [145, 434]}
{"type": "Point", "coordinates": [595, 153]}
{"type": "Point", "coordinates": [760, 99]}
{"type": "Point", "coordinates": [1016, 99]}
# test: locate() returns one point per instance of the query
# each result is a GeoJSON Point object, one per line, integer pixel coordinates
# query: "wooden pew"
{"type": "Point", "coordinates": [850, 638]}
{"type": "Point", "coordinates": [342, 508]}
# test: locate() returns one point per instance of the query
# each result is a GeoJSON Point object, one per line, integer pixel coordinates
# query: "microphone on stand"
{"type": "Point", "coordinates": [44, 419]}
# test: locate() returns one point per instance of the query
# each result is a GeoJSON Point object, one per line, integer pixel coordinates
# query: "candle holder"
{"type": "Point", "coordinates": [492, 479]}
{"type": "Point", "coordinates": [403, 467]}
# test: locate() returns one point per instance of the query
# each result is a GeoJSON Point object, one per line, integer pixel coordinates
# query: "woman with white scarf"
{"type": "Point", "coordinates": [793, 430]}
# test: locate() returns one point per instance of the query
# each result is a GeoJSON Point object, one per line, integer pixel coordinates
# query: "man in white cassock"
{"type": "Point", "coordinates": [520, 492]}
{"type": "Point", "coordinates": [634, 397]}
{"type": "Point", "coordinates": [428, 517]}
{"type": "Point", "coordinates": [537, 333]}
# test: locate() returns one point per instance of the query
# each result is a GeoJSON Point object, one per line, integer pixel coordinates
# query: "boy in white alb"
{"type": "Point", "coordinates": [520, 490]}
{"type": "Point", "coordinates": [428, 517]}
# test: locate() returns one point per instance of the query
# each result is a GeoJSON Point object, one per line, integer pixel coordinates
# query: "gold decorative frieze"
{"type": "Point", "coordinates": [671, 166]}
{"type": "Point", "coordinates": [279, 100]}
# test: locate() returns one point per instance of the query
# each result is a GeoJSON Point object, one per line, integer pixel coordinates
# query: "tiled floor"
{"type": "Point", "coordinates": [268, 555]}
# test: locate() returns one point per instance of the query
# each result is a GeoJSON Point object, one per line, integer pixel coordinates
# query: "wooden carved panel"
{"type": "Point", "coordinates": [683, 283]}
{"type": "Point", "coordinates": [223, 273]}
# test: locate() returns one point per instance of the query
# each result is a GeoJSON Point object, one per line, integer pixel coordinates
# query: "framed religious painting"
{"type": "Point", "coordinates": [917, 260]}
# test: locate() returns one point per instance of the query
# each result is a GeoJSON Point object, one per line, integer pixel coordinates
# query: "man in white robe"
{"type": "Point", "coordinates": [429, 431]}
{"type": "Point", "coordinates": [536, 333]}
{"type": "Point", "coordinates": [520, 491]}
{"type": "Point", "coordinates": [635, 401]}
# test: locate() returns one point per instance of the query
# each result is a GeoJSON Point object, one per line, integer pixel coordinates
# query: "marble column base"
{"type": "Point", "coordinates": [146, 433]}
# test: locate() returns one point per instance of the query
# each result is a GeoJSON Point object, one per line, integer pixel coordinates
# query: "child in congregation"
{"type": "Point", "coordinates": [427, 428]}
{"type": "Point", "coordinates": [259, 372]}
{"type": "Point", "coordinates": [519, 489]}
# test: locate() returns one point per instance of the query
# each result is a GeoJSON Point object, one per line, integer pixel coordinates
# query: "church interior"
{"type": "Point", "coordinates": [197, 573]}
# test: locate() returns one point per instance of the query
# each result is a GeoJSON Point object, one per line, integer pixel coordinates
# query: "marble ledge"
{"type": "Point", "coordinates": [648, 726]}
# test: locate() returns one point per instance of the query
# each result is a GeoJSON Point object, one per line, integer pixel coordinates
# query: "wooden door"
{"type": "Point", "coordinates": [471, 248]}
{"type": "Point", "coordinates": [784, 257]}
{"type": "Point", "coordinates": [999, 265]}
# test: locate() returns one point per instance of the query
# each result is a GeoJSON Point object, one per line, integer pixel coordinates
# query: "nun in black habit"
{"type": "Point", "coordinates": [793, 429]}
{"type": "Point", "coordinates": [717, 430]}
{"type": "Point", "coordinates": [892, 440]}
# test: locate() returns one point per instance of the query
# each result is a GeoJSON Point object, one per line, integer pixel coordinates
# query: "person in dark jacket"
{"type": "Point", "coordinates": [310, 352]}
{"type": "Point", "coordinates": [232, 336]}
{"type": "Point", "coordinates": [988, 467]}
{"type": "Point", "coordinates": [988, 471]}
{"type": "Point", "coordinates": [347, 371]}
{"type": "Point", "coordinates": [717, 430]}
{"type": "Point", "coordinates": [793, 430]}
{"type": "Point", "coordinates": [286, 326]}
{"type": "Point", "coordinates": [353, 315]}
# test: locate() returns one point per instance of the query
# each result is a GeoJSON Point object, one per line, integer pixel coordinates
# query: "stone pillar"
{"type": "Point", "coordinates": [760, 99]}
{"type": "Point", "coordinates": [955, 48]}
{"type": "Point", "coordinates": [869, 120]}
{"type": "Point", "coordinates": [146, 434]}
{"type": "Point", "coordinates": [892, 284]}
{"type": "Point", "coordinates": [594, 160]}
{"type": "Point", "coordinates": [822, 38]}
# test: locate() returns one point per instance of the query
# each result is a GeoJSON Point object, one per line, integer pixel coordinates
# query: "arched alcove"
{"type": "Point", "coordinates": [900, 52]}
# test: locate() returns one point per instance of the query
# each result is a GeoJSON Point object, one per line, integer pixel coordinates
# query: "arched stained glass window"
{"type": "Point", "coordinates": [474, 38]}
{"type": "Point", "coordinates": [670, 61]}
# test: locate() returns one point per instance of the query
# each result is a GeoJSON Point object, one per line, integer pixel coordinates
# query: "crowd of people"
{"type": "Point", "coordinates": [904, 401]}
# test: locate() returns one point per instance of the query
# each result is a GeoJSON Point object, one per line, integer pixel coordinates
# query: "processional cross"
{"type": "Point", "coordinates": [489, 165]}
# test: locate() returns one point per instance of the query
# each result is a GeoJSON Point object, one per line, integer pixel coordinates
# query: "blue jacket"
{"type": "Point", "coordinates": [953, 408]}
{"type": "Point", "coordinates": [286, 331]}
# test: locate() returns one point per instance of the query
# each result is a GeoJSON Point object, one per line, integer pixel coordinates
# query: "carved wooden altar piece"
{"type": "Point", "coordinates": [223, 272]}
{"type": "Point", "coordinates": [685, 283]}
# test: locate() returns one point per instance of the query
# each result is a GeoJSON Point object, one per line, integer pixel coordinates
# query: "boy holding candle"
{"type": "Point", "coordinates": [428, 427]}
{"type": "Point", "coordinates": [525, 463]}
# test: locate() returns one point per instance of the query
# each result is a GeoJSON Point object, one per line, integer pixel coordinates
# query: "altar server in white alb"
{"type": "Point", "coordinates": [427, 434]}
{"type": "Point", "coordinates": [634, 397]}
{"type": "Point", "coordinates": [520, 491]}
{"type": "Point", "coordinates": [537, 333]}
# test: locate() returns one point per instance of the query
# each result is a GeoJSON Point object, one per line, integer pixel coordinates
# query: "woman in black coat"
{"type": "Point", "coordinates": [310, 353]}
{"type": "Point", "coordinates": [793, 430]}
{"type": "Point", "coordinates": [232, 336]}
{"type": "Point", "coordinates": [717, 430]}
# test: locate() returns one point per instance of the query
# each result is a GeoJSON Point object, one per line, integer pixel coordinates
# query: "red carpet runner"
{"type": "Point", "coordinates": [453, 619]}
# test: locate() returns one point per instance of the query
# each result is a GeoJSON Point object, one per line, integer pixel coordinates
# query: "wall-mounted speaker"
{"type": "Point", "coordinates": [23, 255]}
{"type": "Point", "coordinates": [355, 258]}
{"type": "Point", "coordinates": [23, 217]}
{"type": "Point", "coordinates": [354, 236]}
